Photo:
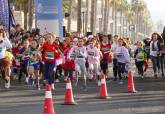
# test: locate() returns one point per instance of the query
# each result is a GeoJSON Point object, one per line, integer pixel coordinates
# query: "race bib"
{"type": "Point", "coordinates": [91, 53]}
{"type": "Point", "coordinates": [49, 55]}
{"type": "Point", "coordinates": [71, 56]}
{"type": "Point", "coordinates": [120, 55]}
{"type": "Point", "coordinates": [106, 50]}
{"type": "Point", "coordinates": [0, 50]}
{"type": "Point", "coordinates": [140, 56]}
{"type": "Point", "coordinates": [79, 56]}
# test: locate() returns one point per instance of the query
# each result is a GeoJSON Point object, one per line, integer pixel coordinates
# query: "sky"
{"type": "Point", "coordinates": [157, 10]}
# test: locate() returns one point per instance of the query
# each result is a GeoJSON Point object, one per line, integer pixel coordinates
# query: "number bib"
{"type": "Point", "coordinates": [91, 53]}
{"type": "Point", "coordinates": [140, 56]}
{"type": "Point", "coordinates": [49, 55]}
{"type": "Point", "coordinates": [106, 50]}
{"type": "Point", "coordinates": [0, 50]}
{"type": "Point", "coordinates": [79, 56]}
{"type": "Point", "coordinates": [120, 55]}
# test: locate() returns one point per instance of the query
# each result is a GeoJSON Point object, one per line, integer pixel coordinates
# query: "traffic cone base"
{"type": "Point", "coordinates": [48, 102]}
{"type": "Point", "coordinates": [69, 99]}
{"type": "Point", "coordinates": [103, 89]}
{"type": "Point", "coordinates": [131, 86]}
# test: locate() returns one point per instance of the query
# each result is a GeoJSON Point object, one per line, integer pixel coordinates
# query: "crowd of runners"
{"type": "Point", "coordinates": [45, 59]}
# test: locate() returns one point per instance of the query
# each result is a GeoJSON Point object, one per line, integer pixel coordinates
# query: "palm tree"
{"type": "Point", "coordinates": [86, 16]}
{"type": "Point", "coordinates": [27, 7]}
{"type": "Point", "coordinates": [70, 14]}
{"type": "Point", "coordinates": [115, 5]}
{"type": "Point", "coordinates": [31, 12]}
{"type": "Point", "coordinates": [93, 15]}
{"type": "Point", "coordinates": [79, 21]}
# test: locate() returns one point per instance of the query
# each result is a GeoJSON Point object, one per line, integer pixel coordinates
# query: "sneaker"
{"type": "Point", "coordinates": [99, 83]}
{"type": "Point", "coordinates": [7, 84]}
{"type": "Point", "coordinates": [57, 80]}
{"type": "Point", "coordinates": [27, 80]}
{"type": "Point", "coordinates": [52, 86]}
{"type": "Point", "coordinates": [85, 88]}
{"type": "Point", "coordinates": [31, 81]}
{"type": "Point", "coordinates": [38, 87]}
{"type": "Point", "coordinates": [121, 82]}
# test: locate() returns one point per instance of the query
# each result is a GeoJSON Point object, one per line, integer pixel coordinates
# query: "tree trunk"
{"type": "Point", "coordinates": [70, 13]}
{"type": "Point", "coordinates": [102, 16]}
{"type": "Point", "coordinates": [116, 19]}
{"type": "Point", "coordinates": [105, 16]}
{"type": "Point", "coordinates": [30, 11]}
{"type": "Point", "coordinates": [92, 15]}
{"type": "Point", "coordinates": [79, 21]}
{"type": "Point", "coordinates": [25, 16]}
{"type": "Point", "coordinates": [113, 18]}
{"type": "Point", "coordinates": [121, 14]}
{"type": "Point", "coordinates": [86, 16]}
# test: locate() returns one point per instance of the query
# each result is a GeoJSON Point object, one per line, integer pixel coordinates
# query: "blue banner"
{"type": "Point", "coordinates": [49, 16]}
{"type": "Point", "coordinates": [4, 13]}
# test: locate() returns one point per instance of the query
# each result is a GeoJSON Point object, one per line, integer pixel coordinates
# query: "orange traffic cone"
{"type": "Point", "coordinates": [48, 103]}
{"type": "Point", "coordinates": [131, 87]}
{"type": "Point", "coordinates": [103, 89]}
{"type": "Point", "coordinates": [69, 100]}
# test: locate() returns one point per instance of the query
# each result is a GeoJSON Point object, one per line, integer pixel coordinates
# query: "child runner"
{"type": "Point", "coordinates": [123, 58]}
{"type": "Point", "coordinates": [34, 64]}
{"type": "Point", "coordinates": [115, 66]}
{"type": "Point", "coordinates": [24, 54]}
{"type": "Point", "coordinates": [69, 65]}
{"type": "Point", "coordinates": [80, 60]}
{"type": "Point", "coordinates": [93, 57]}
{"type": "Point", "coordinates": [140, 56]}
{"type": "Point", "coordinates": [154, 51]}
{"type": "Point", "coordinates": [4, 62]}
{"type": "Point", "coordinates": [105, 49]}
{"type": "Point", "coordinates": [50, 54]}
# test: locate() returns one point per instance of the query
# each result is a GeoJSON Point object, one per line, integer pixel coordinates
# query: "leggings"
{"type": "Point", "coordinates": [115, 68]}
{"type": "Point", "coordinates": [155, 64]}
{"type": "Point", "coordinates": [94, 69]}
{"type": "Point", "coordinates": [139, 65]}
{"type": "Point", "coordinates": [81, 68]}
{"type": "Point", "coordinates": [162, 64]}
{"type": "Point", "coordinates": [121, 69]}
{"type": "Point", "coordinates": [23, 70]}
{"type": "Point", "coordinates": [48, 73]}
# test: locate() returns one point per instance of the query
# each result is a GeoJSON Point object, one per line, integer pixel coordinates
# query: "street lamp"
{"type": "Point", "coordinates": [83, 10]}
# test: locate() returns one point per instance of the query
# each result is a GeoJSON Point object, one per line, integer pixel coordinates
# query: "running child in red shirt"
{"type": "Point", "coordinates": [50, 54]}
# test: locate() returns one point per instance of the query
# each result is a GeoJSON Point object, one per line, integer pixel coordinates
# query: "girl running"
{"type": "Point", "coordinates": [50, 54]}
{"type": "Point", "coordinates": [123, 58]}
{"type": "Point", "coordinates": [140, 56]}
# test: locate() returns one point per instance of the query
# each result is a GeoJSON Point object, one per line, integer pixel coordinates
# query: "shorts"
{"type": "Point", "coordinates": [36, 66]}
{"type": "Point", "coordinates": [104, 64]}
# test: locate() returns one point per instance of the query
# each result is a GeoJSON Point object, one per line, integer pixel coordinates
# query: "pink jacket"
{"type": "Point", "coordinates": [93, 55]}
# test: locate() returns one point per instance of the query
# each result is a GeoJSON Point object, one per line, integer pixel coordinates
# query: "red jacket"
{"type": "Point", "coordinates": [50, 52]}
{"type": "Point", "coordinates": [69, 62]}
{"type": "Point", "coordinates": [105, 49]}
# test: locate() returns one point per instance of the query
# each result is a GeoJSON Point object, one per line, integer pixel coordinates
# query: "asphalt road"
{"type": "Point", "coordinates": [150, 99]}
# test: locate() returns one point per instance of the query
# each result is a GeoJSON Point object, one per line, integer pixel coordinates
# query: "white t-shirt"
{"type": "Point", "coordinates": [3, 46]}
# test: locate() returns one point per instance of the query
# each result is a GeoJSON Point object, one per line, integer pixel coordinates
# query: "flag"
{"type": "Point", "coordinates": [4, 13]}
{"type": "Point", "coordinates": [6, 16]}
